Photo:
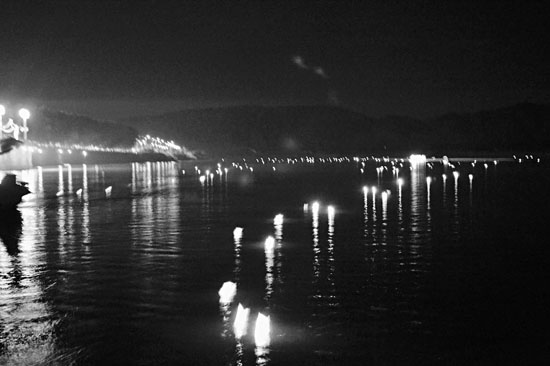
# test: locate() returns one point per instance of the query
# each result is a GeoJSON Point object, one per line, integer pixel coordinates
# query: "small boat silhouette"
{"type": "Point", "coordinates": [11, 192]}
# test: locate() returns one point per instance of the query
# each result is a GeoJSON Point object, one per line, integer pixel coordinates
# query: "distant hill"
{"type": "Point", "coordinates": [325, 129]}
{"type": "Point", "coordinates": [55, 126]}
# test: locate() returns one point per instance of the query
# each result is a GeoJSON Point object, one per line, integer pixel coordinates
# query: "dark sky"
{"type": "Point", "coordinates": [110, 59]}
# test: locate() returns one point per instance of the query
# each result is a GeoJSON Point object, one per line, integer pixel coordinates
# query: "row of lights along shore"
{"type": "Point", "coordinates": [11, 127]}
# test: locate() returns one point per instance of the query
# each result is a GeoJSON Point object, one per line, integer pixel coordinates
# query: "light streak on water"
{"type": "Point", "coordinates": [86, 230]}
{"type": "Point", "coordinates": [278, 229]}
{"type": "Point", "coordinates": [226, 293]}
{"type": "Point", "coordinates": [365, 211]}
{"type": "Point", "coordinates": [269, 249]}
{"type": "Point", "coordinates": [428, 194]}
{"type": "Point", "coordinates": [400, 201]}
{"type": "Point", "coordinates": [373, 190]}
{"type": "Point", "coordinates": [315, 237]}
{"type": "Point", "coordinates": [456, 175]}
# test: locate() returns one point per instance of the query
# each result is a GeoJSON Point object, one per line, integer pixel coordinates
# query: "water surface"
{"type": "Point", "coordinates": [453, 271]}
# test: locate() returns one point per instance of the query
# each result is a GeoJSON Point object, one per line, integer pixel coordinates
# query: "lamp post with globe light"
{"type": "Point", "coordinates": [24, 114]}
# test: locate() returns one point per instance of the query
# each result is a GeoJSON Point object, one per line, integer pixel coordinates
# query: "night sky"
{"type": "Point", "coordinates": [111, 59]}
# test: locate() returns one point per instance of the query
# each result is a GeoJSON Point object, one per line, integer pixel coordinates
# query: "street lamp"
{"type": "Point", "coordinates": [2, 112]}
{"type": "Point", "coordinates": [24, 114]}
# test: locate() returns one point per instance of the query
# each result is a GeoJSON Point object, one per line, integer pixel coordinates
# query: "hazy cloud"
{"type": "Point", "coordinates": [299, 61]}
{"type": "Point", "coordinates": [319, 71]}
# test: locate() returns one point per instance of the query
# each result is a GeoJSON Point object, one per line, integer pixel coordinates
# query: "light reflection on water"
{"type": "Point", "coordinates": [132, 277]}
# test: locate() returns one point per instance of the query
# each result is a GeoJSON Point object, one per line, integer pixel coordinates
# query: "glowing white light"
{"type": "Point", "coordinates": [373, 189]}
{"type": "Point", "coordinates": [59, 193]}
{"type": "Point", "coordinates": [211, 175]}
{"type": "Point", "coordinates": [384, 196]}
{"type": "Point", "coordinates": [225, 170]}
{"type": "Point", "coordinates": [274, 169]}
{"type": "Point", "coordinates": [108, 191]}
{"type": "Point", "coordinates": [240, 324]}
{"type": "Point", "coordinates": [269, 244]}
{"type": "Point", "coordinates": [416, 159]}
{"type": "Point", "coordinates": [238, 233]}
{"type": "Point", "coordinates": [202, 178]}
{"type": "Point", "coordinates": [471, 177]}
{"type": "Point", "coordinates": [278, 220]}
{"type": "Point", "coordinates": [400, 181]}
{"type": "Point", "coordinates": [428, 180]}
{"type": "Point", "coordinates": [227, 292]}
{"type": "Point", "coordinates": [60, 151]}
{"type": "Point", "coordinates": [262, 331]}
{"type": "Point", "coordinates": [315, 208]}
{"type": "Point", "coordinates": [2, 110]}
{"type": "Point", "coordinates": [24, 113]}
{"type": "Point", "coordinates": [79, 192]}
{"type": "Point", "coordinates": [306, 207]}
{"type": "Point", "coordinates": [456, 174]}
{"type": "Point", "coordinates": [365, 190]}
{"type": "Point", "coordinates": [331, 211]}
{"type": "Point", "coordinates": [444, 176]}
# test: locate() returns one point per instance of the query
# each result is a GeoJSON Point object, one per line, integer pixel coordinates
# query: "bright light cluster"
{"type": "Point", "coordinates": [416, 159]}
{"type": "Point", "coordinates": [142, 144]}
{"type": "Point", "coordinates": [149, 143]}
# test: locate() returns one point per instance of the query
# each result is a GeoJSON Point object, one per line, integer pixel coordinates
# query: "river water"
{"type": "Point", "coordinates": [121, 264]}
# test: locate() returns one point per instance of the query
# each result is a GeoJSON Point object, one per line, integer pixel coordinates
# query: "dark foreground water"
{"type": "Point", "coordinates": [449, 272]}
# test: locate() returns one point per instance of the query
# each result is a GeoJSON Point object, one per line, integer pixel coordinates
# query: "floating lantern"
{"type": "Point", "coordinates": [227, 292]}
{"type": "Point", "coordinates": [315, 208]}
{"type": "Point", "coordinates": [238, 233]}
{"type": "Point", "coordinates": [269, 244]}
{"type": "Point", "coordinates": [262, 331]}
{"type": "Point", "coordinates": [278, 220]}
{"type": "Point", "coordinates": [240, 324]}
